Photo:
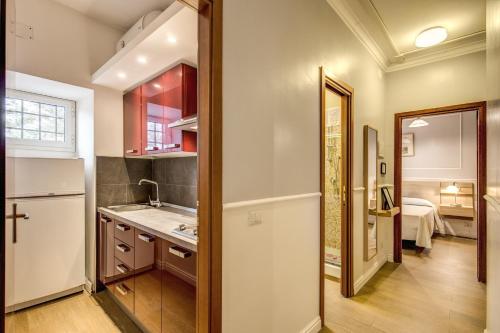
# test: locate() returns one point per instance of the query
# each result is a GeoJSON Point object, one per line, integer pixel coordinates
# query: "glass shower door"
{"type": "Point", "coordinates": [333, 183]}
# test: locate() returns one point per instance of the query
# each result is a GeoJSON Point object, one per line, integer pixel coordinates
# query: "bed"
{"type": "Point", "coordinates": [420, 219]}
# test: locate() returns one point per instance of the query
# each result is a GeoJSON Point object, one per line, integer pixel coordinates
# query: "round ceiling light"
{"type": "Point", "coordinates": [172, 39]}
{"type": "Point", "coordinates": [431, 37]}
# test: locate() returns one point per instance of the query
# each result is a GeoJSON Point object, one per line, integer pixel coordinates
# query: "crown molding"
{"type": "Point", "coordinates": [346, 12]}
{"type": "Point", "coordinates": [363, 19]}
{"type": "Point", "coordinates": [449, 50]}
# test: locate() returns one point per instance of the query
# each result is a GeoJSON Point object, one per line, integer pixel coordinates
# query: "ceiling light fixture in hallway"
{"type": "Point", "coordinates": [431, 37]}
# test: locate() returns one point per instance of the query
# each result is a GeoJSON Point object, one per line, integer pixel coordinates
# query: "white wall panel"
{"type": "Point", "coordinates": [270, 270]}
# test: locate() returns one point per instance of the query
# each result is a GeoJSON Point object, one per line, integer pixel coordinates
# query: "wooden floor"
{"type": "Point", "coordinates": [79, 313]}
{"type": "Point", "coordinates": [436, 291]}
{"type": "Point", "coordinates": [432, 292]}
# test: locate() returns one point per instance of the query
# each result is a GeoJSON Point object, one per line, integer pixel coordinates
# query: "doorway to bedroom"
{"type": "Point", "coordinates": [440, 171]}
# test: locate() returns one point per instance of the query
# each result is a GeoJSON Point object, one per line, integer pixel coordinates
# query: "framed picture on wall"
{"type": "Point", "coordinates": [407, 147]}
{"type": "Point", "coordinates": [387, 202]}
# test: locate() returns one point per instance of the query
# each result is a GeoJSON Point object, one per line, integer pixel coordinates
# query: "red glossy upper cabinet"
{"type": "Point", "coordinates": [180, 103]}
{"type": "Point", "coordinates": [132, 129]}
{"type": "Point", "coordinates": [153, 121]}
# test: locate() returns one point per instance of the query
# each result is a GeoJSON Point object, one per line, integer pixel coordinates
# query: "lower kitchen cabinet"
{"type": "Point", "coordinates": [148, 286]}
{"type": "Point", "coordinates": [123, 287]}
{"type": "Point", "coordinates": [179, 305]}
{"type": "Point", "coordinates": [124, 294]}
{"type": "Point", "coordinates": [152, 278]}
{"type": "Point", "coordinates": [179, 289]}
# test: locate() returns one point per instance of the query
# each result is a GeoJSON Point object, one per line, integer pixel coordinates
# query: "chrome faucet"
{"type": "Point", "coordinates": [154, 203]}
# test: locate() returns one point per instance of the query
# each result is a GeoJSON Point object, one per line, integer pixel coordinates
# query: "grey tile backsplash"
{"type": "Point", "coordinates": [177, 178]}
{"type": "Point", "coordinates": [117, 180]}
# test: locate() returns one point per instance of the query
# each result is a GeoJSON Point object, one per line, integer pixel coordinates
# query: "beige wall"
{"type": "Point", "coordinates": [271, 103]}
{"type": "Point", "coordinates": [271, 93]}
{"type": "Point", "coordinates": [493, 173]}
{"type": "Point", "coordinates": [68, 47]}
{"type": "Point", "coordinates": [448, 82]}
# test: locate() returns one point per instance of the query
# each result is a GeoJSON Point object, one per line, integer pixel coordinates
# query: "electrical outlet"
{"type": "Point", "coordinates": [254, 218]}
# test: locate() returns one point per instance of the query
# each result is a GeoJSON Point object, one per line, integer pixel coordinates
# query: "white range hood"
{"type": "Point", "coordinates": [186, 124]}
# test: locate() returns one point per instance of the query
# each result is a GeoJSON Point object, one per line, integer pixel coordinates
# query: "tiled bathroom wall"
{"type": "Point", "coordinates": [117, 180]}
{"type": "Point", "coordinates": [333, 186]}
{"type": "Point", "coordinates": [177, 179]}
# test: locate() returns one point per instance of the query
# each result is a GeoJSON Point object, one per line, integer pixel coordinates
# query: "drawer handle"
{"type": "Point", "coordinates": [122, 268]}
{"type": "Point", "coordinates": [122, 289]}
{"type": "Point", "coordinates": [145, 237]}
{"type": "Point", "coordinates": [122, 248]}
{"type": "Point", "coordinates": [105, 219]}
{"type": "Point", "coordinates": [131, 151]}
{"type": "Point", "coordinates": [152, 148]}
{"type": "Point", "coordinates": [122, 227]}
{"type": "Point", "coordinates": [171, 145]}
{"type": "Point", "coordinates": [180, 252]}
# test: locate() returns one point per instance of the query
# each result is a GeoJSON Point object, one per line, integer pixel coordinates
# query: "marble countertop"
{"type": "Point", "coordinates": [159, 222]}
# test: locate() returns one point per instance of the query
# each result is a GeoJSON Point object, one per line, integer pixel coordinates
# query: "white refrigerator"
{"type": "Point", "coordinates": [45, 255]}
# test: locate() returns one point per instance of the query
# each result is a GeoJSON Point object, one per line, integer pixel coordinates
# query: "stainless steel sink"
{"type": "Point", "coordinates": [129, 208]}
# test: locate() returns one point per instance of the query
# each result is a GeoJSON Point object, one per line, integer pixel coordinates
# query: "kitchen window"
{"type": "Point", "coordinates": [37, 122]}
{"type": "Point", "coordinates": [155, 134]}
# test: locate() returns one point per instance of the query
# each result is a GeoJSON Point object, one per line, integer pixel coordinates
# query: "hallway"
{"type": "Point", "coordinates": [433, 292]}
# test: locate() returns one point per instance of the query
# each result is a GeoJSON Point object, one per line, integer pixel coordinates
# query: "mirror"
{"type": "Point", "coordinates": [371, 192]}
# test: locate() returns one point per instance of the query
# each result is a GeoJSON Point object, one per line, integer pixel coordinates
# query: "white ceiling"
{"type": "Point", "coordinates": [388, 28]}
{"type": "Point", "coordinates": [177, 21]}
{"type": "Point", "coordinates": [120, 14]}
{"type": "Point", "coordinates": [404, 20]}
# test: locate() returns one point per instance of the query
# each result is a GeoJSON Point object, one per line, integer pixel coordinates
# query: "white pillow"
{"type": "Point", "coordinates": [417, 202]}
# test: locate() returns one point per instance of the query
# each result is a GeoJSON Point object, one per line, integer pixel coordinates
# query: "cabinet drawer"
{"type": "Point", "coordinates": [144, 249]}
{"type": "Point", "coordinates": [463, 211]}
{"type": "Point", "coordinates": [125, 274]}
{"type": "Point", "coordinates": [125, 295]}
{"type": "Point", "coordinates": [180, 258]}
{"type": "Point", "coordinates": [125, 233]}
{"type": "Point", "coordinates": [106, 247]}
{"type": "Point", "coordinates": [124, 253]}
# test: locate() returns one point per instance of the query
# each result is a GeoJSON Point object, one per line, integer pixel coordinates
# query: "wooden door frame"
{"type": "Point", "coordinates": [3, 23]}
{"type": "Point", "coordinates": [346, 93]}
{"type": "Point", "coordinates": [209, 274]}
{"type": "Point", "coordinates": [209, 266]}
{"type": "Point", "coordinates": [480, 107]}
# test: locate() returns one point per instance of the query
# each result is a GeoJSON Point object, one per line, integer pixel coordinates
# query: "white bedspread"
{"type": "Point", "coordinates": [418, 224]}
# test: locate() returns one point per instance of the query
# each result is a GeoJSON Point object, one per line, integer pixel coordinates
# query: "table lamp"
{"type": "Point", "coordinates": [453, 188]}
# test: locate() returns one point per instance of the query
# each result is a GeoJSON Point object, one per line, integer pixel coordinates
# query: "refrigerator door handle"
{"type": "Point", "coordinates": [14, 216]}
